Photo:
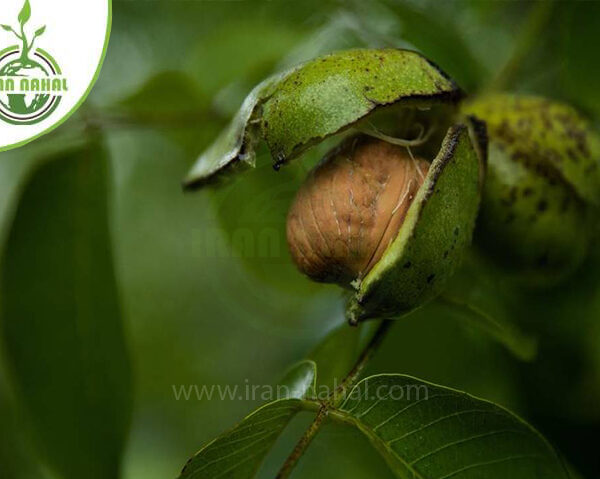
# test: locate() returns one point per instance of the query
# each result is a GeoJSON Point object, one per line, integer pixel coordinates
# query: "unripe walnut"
{"type": "Point", "coordinates": [541, 197]}
{"type": "Point", "coordinates": [391, 228]}
{"type": "Point", "coordinates": [351, 208]}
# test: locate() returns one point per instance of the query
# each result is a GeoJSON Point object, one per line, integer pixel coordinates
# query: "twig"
{"type": "Point", "coordinates": [361, 362]}
{"type": "Point", "coordinates": [334, 398]}
{"type": "Point", "coordinates": [303, 443]}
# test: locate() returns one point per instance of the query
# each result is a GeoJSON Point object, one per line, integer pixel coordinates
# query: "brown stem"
{"type": "Point", "coordinates": [361, 362]}
{"type": "Point", "coordinates": [303, 444]}
{"type": "Point", "coordinates": [334, 399]}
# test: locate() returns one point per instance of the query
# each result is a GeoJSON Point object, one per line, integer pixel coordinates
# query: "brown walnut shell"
{"type": "Point", "coordinates": [351, 208]}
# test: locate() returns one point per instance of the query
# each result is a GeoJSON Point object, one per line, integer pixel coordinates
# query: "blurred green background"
{"type": "Point", "coordinates": [202, 299]}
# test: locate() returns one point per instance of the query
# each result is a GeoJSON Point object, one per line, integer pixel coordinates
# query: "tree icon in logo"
{"type": "Point", "coordinates": [23, 18]}
{"type": "Point", "coordinates": [30, 86]}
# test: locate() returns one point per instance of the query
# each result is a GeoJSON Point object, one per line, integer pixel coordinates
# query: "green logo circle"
{"type": "Point", "coordinates": [30, 86]}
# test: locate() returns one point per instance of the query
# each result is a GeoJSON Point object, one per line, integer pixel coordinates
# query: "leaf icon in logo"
{"type": "Point", "coordinates": [25, 13]}
{"type": "Point", "coordinates": [8, 28]}
{"type": "Point", "coordinates": [40, 31]}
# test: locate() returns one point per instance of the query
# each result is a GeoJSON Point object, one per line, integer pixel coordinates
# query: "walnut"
{"type": "Point", "coordinates": [351, 208]}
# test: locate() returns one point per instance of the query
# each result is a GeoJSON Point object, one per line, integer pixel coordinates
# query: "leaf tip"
{"type": "Point", "coordinates": [25, 13]}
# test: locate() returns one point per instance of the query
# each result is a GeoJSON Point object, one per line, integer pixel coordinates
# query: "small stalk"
{"type": "Point", "coordinates": [362, 361]}
{"type": "Point", "coordinates": [303, 444]}
{"type": "Point", "coordinates": [334, 398]}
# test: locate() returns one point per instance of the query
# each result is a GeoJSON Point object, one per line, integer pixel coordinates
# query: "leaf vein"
{"type": "Point", "coordinates": [489, 463]}
{"type": "Point", "coordinates": [223, 444]}
{"type": "Point", "coordinates": [249, 458]}
{"type": "Point", "coordinates": [253, 424]}
{"type": "Point", "coordinates": [237, 451]}
{"type": "Point", "coordinates": [398, 413]}
{"type": "Point", "coordinates": [443, 418]}
{"type": "Point", "coordinates": [465, 440]}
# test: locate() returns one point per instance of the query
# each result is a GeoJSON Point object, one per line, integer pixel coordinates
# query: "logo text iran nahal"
{"type": "Point", "coordinates": [31, 81]}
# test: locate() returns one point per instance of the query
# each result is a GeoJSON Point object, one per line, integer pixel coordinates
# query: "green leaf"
{"type": "Point", "coordinates": [172, 103]}
{"type": "Point", "coordinates": [25, 13]}
{"type": "Point", "coordinates": [16, 457]}
{"type": "Point", "coordinates": [522, 346]}
{"type": "Point", "coordinates": [422, 430]}
{"type": "Point", "coordinates": [480, 300]}
{"type": "Point", "coordinates": [61, 318]}
{"type": "Point", "coordinates": [40, 31]}
{"type": "Point", "coordinates": [166, 95]}
{"type": "Point", "coordinates": [238, 453]}
{"type": "Point", "coordinates": [251, 61]}
{"type": "Point", "coordinates": [300, 380]}
{"type": "Point", "coordinates": [8, 28]}
{"type": "Point", "coordinates": [578, 75]}
{"type": "Point", "coordinates": [427, 431]}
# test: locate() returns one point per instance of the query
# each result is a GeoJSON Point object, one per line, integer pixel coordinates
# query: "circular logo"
{"type": "Point", "coordinates": [30, 88]}
{"type": "Point", "coordinates": [50, 57]}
